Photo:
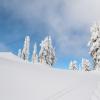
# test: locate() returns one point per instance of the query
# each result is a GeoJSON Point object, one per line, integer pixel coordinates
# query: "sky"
{"type": "Point", "coordinates": [68, 23]}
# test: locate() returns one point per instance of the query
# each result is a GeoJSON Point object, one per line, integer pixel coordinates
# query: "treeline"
{"type": "Point", "coordinates": [46, 54]}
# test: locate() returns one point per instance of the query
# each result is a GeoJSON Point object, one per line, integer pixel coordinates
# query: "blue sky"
{"type": "Point", "coordinates": [67, 21]}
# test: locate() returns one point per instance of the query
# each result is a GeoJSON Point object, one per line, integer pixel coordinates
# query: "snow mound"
{"type": "Point", "coordinates": [23, 81]}
{"type": "Point", "coordinates": [10, 56]}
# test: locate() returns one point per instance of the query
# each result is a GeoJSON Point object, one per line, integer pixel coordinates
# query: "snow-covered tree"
{"type": "Point", "coordinates": [25, 50]}
{"type": "Point", "coordinates": [41, 54]}
{"type": "Point", "coordinates": [73, 65]}
{"type": "Point", "coordinates": [47, 52]}
{"type": "Point", "coordinates": [19, 53]}
{"type": "Point", "coordinates": [94, 45]}
{"type": "Point", "coordinates": [34, 56]}
{"type": "Point", "coordinates": [85, 65]}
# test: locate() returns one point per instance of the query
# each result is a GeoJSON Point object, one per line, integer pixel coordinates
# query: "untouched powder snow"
{"type": "Point", "coordinates": [21, 81]}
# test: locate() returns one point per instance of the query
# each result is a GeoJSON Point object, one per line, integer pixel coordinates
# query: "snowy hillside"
{"type": "Point", "coordinates": [20, 81]}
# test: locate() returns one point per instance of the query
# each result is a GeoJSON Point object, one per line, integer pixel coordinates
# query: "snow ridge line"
{"type": "Point", "coordinates": [96, 94]}
{"type": "Point", "coordinates": [59, 94]}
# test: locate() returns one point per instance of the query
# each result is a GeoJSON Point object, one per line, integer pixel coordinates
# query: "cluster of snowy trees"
{"type": "Point", "coordinates": [85, 65]}
{"type": "Point", "coordinates": [46, 54]}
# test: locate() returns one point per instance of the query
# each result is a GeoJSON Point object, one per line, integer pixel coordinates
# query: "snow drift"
{"type": "Point", "coordinates": [21, 81]}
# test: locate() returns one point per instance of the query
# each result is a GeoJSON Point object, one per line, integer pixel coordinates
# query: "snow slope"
{"type": "Point", "coordinates": [21, 81]}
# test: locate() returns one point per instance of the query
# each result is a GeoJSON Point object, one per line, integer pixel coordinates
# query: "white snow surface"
{"type": "Point", "coordinates": [22, 81]}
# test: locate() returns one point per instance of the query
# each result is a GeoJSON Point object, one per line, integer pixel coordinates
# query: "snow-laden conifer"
{"type": "Point", "coordinates": [34, 55]}
{"type": "Point", "coordinates": [25, 50]}
{"type": "Point", "coordinates": [47, 52]}
{"type": "Point", "coordinates": [94, 45]}
{"type": "Point", "coordinates": [73, 65]}
{"type": "Point", "coordinates": [85, 64]}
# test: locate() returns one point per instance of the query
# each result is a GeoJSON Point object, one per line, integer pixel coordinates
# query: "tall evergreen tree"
{"type": "Point", "coordinates": [34, 55]}
{"type": "Point", "coordinates": [47, 52]}
{"type": "Point", "coordinates": [73, 65]}
{"type": "Point", "coordinates": [85, 65]}
{"type": "Point", "coordinates": [94, 45]}
{"type": "Point", "coordinates": [25, 50]}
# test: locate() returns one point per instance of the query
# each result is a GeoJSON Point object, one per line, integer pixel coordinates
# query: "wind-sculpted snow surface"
{"type": "Point", "coordinates": [23, 81]}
